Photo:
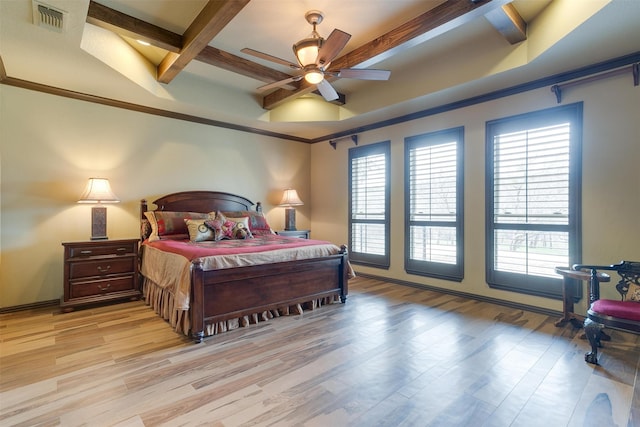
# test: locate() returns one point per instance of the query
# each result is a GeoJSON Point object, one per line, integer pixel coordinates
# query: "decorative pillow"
{"type": "Point", "coordinates": [240, 228]}
{"type": "Point", "coordinates": [258, 224]}
{"type": "Point", "coordinates": [633, 294]}
{"type": "Point", "coordinates": [220, 230]}
{"type": "Point", "coordinates": [199, 231]}
{"type": "Point", "coordinates": [229, 228]}
{"type": "Point", "coordinates": [242, 220]}
{"type": "Point", "coordinates": [170, 225]}
{"type": "Point", "coordinates": [145, 229]}
{"type": "Point", "coordinates": [240, 231]}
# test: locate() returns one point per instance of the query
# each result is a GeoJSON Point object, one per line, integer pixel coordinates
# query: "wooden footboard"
{"type": "Point", "coordinates": [225, 294]}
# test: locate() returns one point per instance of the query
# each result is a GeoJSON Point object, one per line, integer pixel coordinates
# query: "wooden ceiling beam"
{"type": "Point", "coordinates": [218, 13]}
{"type": "Point", "coordinates": [442, 18]}
{"type": "Point", "coordinates": [125, 25]}
{"type": "Point", "coordinates": [210, 21]}
{"type": "Point", "coordinates": [128, 26]}
{"type": "Point", "coordinates": [509, 23]}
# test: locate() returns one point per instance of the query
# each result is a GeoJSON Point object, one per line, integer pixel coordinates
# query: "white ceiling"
{"type": "Point", "coordinates": [466, 61]}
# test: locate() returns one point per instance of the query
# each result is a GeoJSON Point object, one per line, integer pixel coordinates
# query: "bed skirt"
{"type": "Point", "coordinates": [163, 304]}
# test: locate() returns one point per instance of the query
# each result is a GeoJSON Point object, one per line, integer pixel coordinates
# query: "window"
{"type": "Point", "coordinates": [533, 199]}
{"type": "Point", "coordinates": [434, 198]}
{"type": "Point", "coordinates": [369, 205]}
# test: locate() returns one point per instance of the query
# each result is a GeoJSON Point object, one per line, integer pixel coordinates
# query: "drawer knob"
{"type": "Point", "coordinates": [104, 288]}
{"type": "Point", "coordinates": [122, 249]}
{"type": "Point", "coordinates": [102, 269]}
{"type": "Point", "coordinates": [85, 252]}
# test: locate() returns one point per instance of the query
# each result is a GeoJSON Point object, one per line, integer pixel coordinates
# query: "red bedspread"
{"type": "Point", "coordinates": [263, 243]}
{"type": "Point", "coordinates": [167, 263]}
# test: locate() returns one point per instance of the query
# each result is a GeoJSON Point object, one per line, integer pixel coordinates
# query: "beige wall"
{"type": "Point", "coordinates": [611, 181]}
{"type": "Point", "coordinates": [51, 145]}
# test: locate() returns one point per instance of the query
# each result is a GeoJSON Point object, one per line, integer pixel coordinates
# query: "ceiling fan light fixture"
{"type": "Point", "coordinates": [314, 76]}
{"type": "Point", "coordinates": [306, 50]}
{"type": "Point", "coordinates": [315, 55]}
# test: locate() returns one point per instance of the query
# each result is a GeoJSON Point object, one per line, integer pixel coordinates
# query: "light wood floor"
{"type": "Point", "coordinates": [392, 356]}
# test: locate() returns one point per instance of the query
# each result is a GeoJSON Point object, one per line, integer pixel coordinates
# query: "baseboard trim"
{"type": "Point", "coordinates": [505, 303]}
{"type": "Point", "coordinates": [510, 304]}
{"type": "Point", "coordinates": [14, 308]}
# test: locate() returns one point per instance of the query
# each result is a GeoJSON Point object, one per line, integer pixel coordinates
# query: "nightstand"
{"type": "Point", "coordinates": [100, 271]}
{"type": "Point", "coordinates": [303, 234]}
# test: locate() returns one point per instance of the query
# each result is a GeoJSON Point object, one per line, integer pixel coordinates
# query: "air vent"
{"type": "Point", "coordinates": [48, 17]}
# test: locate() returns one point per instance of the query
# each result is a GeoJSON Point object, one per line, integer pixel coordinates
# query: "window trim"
{"type": "Point", "coordinates": [453, 272]}
{"type": "Point", "coordinates": [361, 258]}
{"type": "Point", "coordinates": [547, 287]}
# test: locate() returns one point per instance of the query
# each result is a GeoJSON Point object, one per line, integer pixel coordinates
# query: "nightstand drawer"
{"type": "Point", "coordinates": [100, 287]}
{"type": "Point", "coordinates": [101, 268]}
{"type": "Point", "coordinates": [103, 249]}
{"type": "Point", "coordinates": [100, 271]}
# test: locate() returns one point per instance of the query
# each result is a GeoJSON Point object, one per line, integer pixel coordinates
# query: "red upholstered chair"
{"type": "Point", "coordinates": [621, 314]}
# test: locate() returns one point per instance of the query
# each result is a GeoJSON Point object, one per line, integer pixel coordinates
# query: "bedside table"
{"type": "Point", "coordinates": [303, 234]}
{"type": "Point", "coordinates": [100, 271]}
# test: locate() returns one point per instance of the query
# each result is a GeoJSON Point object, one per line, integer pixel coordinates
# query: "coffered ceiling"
{"type": "Point", "coordinates": [438, 52]}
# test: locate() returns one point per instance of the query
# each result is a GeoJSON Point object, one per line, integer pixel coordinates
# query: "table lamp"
{"type": "Point", "coordinates": [289, 199]}
{"type": "Point", "coordinates": [98, 191]}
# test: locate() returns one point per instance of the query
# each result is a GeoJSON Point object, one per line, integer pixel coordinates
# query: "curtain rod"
{"type": "Point", "coordinates": [334, 142]}
{"type": "Point", "coordinates": [635, 70]}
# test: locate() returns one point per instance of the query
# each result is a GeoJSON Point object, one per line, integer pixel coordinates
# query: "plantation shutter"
{"type": "Point", "coordinates": [369, 205]}
{"type": "Point", "coordinates": [434, 189]}
{"type": "Point", "coordinates": [533, 199]}
{"type": "Point", "coordinates": [432, 194]}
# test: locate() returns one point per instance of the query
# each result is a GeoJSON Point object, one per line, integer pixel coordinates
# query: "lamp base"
{"type": "Point", "coordinates": [290, 219]}
{"type": "Point", "coordinates": [99, 223]}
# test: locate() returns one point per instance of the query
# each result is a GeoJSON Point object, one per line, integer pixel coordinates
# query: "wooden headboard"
{"type": "Point", "coordinates": [200, 201]}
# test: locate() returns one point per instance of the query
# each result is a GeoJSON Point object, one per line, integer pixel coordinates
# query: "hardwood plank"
{"type": "Point", "coordinates": [392, 355]}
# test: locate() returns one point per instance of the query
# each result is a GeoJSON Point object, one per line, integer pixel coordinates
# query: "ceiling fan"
{"type": "Point", "coordinates": [314, 55]}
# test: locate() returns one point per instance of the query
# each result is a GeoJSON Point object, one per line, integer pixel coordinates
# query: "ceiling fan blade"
{"type": "Point", "coordinates": [327, 91]}
{"type": "Point", "coordinates": [331, 47]}
{"type": "Point", "coordinates": [364, 74]}
{"type": "Point", "coordinates": [280, 83]}
{"type": "Point", "coordinates": [271, 58]}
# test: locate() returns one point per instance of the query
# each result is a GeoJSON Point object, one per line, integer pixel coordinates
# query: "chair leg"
{"type": "Point", "coordinates": [593, 331]}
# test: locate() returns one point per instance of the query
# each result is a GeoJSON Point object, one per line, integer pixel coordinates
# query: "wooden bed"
{"type": "Point", "coordinates": [252, 291]}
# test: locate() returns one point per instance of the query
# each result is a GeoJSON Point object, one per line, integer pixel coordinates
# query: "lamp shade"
{"type": "Point", "coordinates": [306, 50]}
{"type": "Point", "coordinates": [291, 198]}
{"type": "Point", "coordinates": [98, 190]}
